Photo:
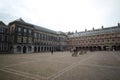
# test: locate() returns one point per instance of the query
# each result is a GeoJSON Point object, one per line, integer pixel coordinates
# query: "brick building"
{"type": "Point", "coordinates": [96, 39]}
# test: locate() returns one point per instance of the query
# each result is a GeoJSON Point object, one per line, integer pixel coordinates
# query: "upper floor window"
{"type": "Point", "coordinates": [35, 35]}
{"type": "Point", "coordinates": [39, 35]}
{"type": "Point", "coordinates": [19, 29]}
{"type": "Point", "coordinates": [6, 38]}
{"type": "Point", "coordinates": [1, 37]}
{"type": "Point", "coordinates": [1, 30]}
{"type": "Point", "coordinates": [30, 40]}
{"type": "Point", "coordinates": [19, 40]}
{"type": "Point", "coordinates": [30, 31]}
{"type": "Point", "coordinates": [25, 30]}
{"type": "Point", "coordinates": [12, 28]}
{"type": "Point", "coordinates": [24, 39]}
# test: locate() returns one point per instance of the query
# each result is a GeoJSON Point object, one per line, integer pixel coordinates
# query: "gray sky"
{"type": "Point", "coordinates": [62, 15]}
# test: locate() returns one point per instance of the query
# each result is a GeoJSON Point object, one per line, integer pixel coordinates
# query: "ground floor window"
{"type": "Point", "coordinates": [29, 48]}
{"type": "Point", "coordinates": [18, 49]}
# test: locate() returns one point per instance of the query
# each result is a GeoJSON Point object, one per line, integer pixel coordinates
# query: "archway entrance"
{"type": "Point", "coordinates": [38, 49]}
{"type": "Point", "coordinates": [29, 48]}
{"type": "Point", "coordinates": [99, 48]}
{"type": "Point", "coordinates": [105, 48]}
{"type": "Point", "coordinates": [35, 49]}
{"type": "Point", "coordinates": [90, 48]}
{"type": "Point", "coordinates": [118, 48]}
{"type": "Point", "coordinates": [113, 48]}
{"type": "Point", "coordinates": [24, 49]}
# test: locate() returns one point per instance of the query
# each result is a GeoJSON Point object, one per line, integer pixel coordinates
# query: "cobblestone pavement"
{"type": "Point", "coordinates": [60, 66]}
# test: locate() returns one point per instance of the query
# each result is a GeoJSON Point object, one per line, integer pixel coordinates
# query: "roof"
{"type": "Point", "coordinates": [21, 21]}
{"type": "Point", "coordinates": [61, 33]}
{"type": "Point", "coordinates": [2, 24]}
{"type": "Point", "coordinates": [44, 29]}
{"type": "Point", "coordinates": [96, 32]}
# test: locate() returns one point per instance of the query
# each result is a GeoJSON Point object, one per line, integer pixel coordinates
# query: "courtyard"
{"type": "Point", "coordinates": [98, 65]}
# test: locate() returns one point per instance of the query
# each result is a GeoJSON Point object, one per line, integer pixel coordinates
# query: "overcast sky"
{"type": "Point", "coordinates": [62, 15]}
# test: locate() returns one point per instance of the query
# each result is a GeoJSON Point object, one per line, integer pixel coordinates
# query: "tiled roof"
{"type": "Point", "coordinates": [35, 26]}
{"type": "Point", "coordinates": [44, 29]}
{"type": "Point", "coordinates": [2, 24]}
{"type": "Point", "coordinates": [96, 32]}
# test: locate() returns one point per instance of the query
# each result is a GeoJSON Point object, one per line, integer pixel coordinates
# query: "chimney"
{"type": "Point", "coordinates": [118, 24]}
{"type": "Point", "coordinates": [85, 30]}
{"type": "Point", "coordinates": [93, 29]}
{"type": "Point", "coordinates": [76, 31]}
{"type": "Point", "coordinates": [102, 27]}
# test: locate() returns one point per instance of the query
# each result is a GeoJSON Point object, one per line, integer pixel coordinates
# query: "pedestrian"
{"type": "Point", "coordinates": [52, 51]}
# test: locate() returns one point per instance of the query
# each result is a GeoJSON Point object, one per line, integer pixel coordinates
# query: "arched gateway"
{"type": "Point", "coordinates": [24, 49]}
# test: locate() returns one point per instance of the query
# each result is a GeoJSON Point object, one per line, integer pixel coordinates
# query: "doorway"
{"type": "Point", "coordinates": [24, 49]}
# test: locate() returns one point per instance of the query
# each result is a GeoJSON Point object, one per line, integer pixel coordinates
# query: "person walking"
{"type": "Point", "coordinates": [52, 51]}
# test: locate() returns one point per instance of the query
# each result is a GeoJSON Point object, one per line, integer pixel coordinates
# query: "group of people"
{"type": "Point", "coordinates": [76, 52]}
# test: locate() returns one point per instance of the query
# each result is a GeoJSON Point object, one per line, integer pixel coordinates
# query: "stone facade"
{"type": "Point", "coordinates": [28, 38]}
{"type": "Point", "coordinates": [3, 38]}
{"type": "Point", "coordinates": [22, 37]}
{"type": "Point", "coordinates": [96, 39]}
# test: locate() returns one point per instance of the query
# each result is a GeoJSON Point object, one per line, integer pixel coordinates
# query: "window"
{"type": "Point", "coordinates": [30, 31]}
{"type": "Point", "coordinates": [35, 40]}
{"type": "Point", "coordinates": [18, 49]}
{"type": "Point", "coordinates": [12, 28]}
{"type": "Point", "coordinates": [6, 38]}
{"type": "Point", "coordinates": [5, 30]}
{"type": "Point", "coordinates": [19, 29]}
{"type": "Point", "coordinates": [19, 40]}
{"type": "Point", "coordinates": [1, 30]}
{"type": "Point", "coordinates": [102, 40]}
{"type": "Point", "coordinates": [25, 30]}
{"type": "Point", "coordinates": [39, 35]}
{"type": "Point", "coordinates": [30, 40]}
{"type": "Point", "coordinates": [35, 35]}
{"type": "Point", "coordinates": [98, 41]}
{"type": "Point", "coordinates": [29, 48]}
{"type": "Point", "coordinates": [24, 39]}
{"type": "Point", "coordinates": [0, 37]}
